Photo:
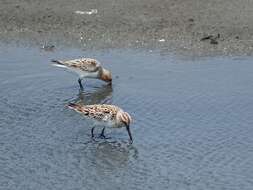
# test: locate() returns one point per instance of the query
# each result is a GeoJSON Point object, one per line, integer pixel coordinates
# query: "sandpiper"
{"type": "Point", "coordinates": [104, 115]}
{"type": "Point", "coordinates": [85, 68]}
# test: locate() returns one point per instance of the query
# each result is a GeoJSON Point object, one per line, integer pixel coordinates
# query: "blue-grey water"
{"type": "Point", "coordinates": [193, 122]}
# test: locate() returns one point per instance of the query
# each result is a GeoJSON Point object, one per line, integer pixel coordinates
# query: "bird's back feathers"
{"type": "Point", "coordinates": [101, 112]}
{"type": "Point", "coordinates": [84, 64]}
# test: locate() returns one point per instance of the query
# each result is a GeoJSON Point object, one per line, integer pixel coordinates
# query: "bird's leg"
{"type": "Point", "coordinates": [102, 134]}
{"type": "Point", "coordinates": [80, 83]}
{"type": "Point", "coordinates": [92, 132]}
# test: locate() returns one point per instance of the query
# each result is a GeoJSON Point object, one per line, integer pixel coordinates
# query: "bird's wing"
{"type": "Point", "coordinates": [78, 108]}
{"type": "Point", "coordinates": [100, 112]}
{"type": "Point", "coordinates": [85, 64]}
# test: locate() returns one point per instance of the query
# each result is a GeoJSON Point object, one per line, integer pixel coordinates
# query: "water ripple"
{"type": "Point", "coordinates": [192, 129]}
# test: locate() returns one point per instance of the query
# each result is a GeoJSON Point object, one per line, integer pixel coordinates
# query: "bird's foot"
{"type": "Point", "coordinates": [102, 135]}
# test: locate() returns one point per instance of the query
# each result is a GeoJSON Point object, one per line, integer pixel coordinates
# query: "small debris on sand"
{"type": "Point", "coordinates": [90, 12]}
{"type": "Point", "coordinates": [48, 47]}
{"type": "Point", "coordinates": [206, 37]}
{"type": "Point", "coordinates": [213, 39]}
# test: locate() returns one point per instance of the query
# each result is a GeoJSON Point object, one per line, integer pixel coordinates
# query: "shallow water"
{"type": "Point", "coordinates": [192, 122]}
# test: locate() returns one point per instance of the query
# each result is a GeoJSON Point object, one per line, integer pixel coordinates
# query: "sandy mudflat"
{"type": "Point", "coordinates": [170, 25]}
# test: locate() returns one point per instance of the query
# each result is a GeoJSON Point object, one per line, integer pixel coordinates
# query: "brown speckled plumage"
{"type": "Point", "coordinates": [84, 64]}
{"type": "Point", "coordinates": [99, 112]}
{"type": "Point", "coordinates": [109, 115]}
{"type": "Point", "coordinates": [85, 68]}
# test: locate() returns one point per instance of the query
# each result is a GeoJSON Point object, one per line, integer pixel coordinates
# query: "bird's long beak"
{"type": "Point", "coordinates": [129, 133]}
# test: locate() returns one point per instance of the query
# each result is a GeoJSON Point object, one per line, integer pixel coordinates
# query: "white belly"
{"type": "Point", "coordinates": [80, 73]}
{"type": "Point", "coordinates": [85, 74]}
{"type": "Point", "coordinates": [107, 124]}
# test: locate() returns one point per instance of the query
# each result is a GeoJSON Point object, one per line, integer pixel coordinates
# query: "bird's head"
{"type": "Point", "coordinates": [125, 120]}
{"type": "Point", "coordinates": [106, 75]}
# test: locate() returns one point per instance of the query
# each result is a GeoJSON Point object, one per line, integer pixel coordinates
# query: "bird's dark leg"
{"type": "Point", "coordinates": [102, 134]}
{"type": "Point", "coordinates": [92, 132]}
{"type": "Point", "coordinates": [80, 83]}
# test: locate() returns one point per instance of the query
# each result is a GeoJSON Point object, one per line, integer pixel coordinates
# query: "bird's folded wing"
{"type": "Point", "coordinates": [85, 64]}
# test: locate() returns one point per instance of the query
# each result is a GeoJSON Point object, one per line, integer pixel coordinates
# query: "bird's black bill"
{"type": "Point", "coordinates": [129, 133]}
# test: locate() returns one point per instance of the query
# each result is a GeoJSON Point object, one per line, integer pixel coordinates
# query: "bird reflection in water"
{"type": "Point", "coordinates": [99, 95]}
{"type": "Point", "coordinates": [114, 155]}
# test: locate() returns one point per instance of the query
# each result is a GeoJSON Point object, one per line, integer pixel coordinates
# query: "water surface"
{"type": "Point", "coordinates": [192, 122]}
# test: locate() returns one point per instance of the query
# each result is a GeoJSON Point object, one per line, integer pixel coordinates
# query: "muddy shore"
{"type": "Point", "coordinates": [197, 27]}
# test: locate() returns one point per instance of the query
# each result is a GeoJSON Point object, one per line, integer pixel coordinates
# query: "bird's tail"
{"type": "Point", "coordinates": [58, 63]}
{"type": "Point", "coordinates": [75, 107]}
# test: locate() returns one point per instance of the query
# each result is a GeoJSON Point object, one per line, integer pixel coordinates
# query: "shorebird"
{"type": "Point", "coordinates": [85, 68]}
{"type": "Point", "coordinates": [104, 115]}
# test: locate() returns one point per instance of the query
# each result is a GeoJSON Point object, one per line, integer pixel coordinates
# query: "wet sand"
{"type": "Point", "coordinates": [172, 25]}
